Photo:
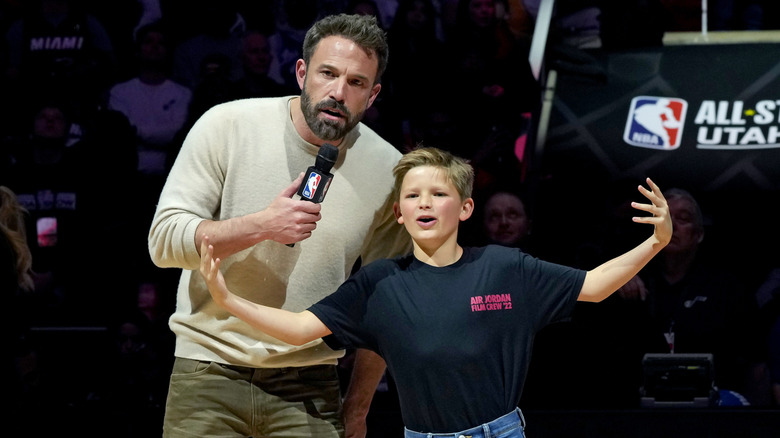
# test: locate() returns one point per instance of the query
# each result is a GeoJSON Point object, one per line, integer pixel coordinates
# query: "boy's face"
{"type": "Point", "coordinates": [430, 208]}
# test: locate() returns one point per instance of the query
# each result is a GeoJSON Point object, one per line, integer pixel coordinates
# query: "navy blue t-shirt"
{"type": "Point", "coordinates": [457, 339]}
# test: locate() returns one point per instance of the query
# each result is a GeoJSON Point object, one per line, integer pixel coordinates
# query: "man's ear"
{"type": "Point", "coordinates": [300, 72]}
{"type": "Point", "coordinates": [466, 209]}
{"type": "Point", "coordinates": [397, 213]}
{"type": "Point", "coordinates": [374, 93]}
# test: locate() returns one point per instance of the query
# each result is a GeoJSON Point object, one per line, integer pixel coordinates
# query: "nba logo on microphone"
{"type": "Point", "coordinates": [311, 185]}
{"type": "Point", "coordinates": [655, 122]}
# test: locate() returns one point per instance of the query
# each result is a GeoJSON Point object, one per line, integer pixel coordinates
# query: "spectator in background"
{"type": "Point", "coordinates": [365, 7]}
{"type": "Point", "coordinates": [121, 19]}
{"type": "Point", "coordinates": [416, 48]}
{"type": "Point", "coordinates": [138, 377]}
{"type": "Point", "coordinates": [155, 300]}
{"type": "Point", "coordinates": [683, 302]}
{"type": "Point", "coordinates": [774, 355]}
{"type": "Point", "coordinates": [154, 104]}
{"type": "Point", "coordinates": [215, 86]}
{"type": "Point", "coordinates": [293, 19]}
{"type": "Point", "coordinates": [59, 50]}
{"type": "Point", "coordinates": [45, 178]}
{"type": "Point", "coordinates": [16, 274]}
{"type": "Point", "coordinates": [740, 15]}
{"type": "Point", "coordinates": [76, 196]}
{"type": "Point", "coordinates": [506, 221]}
{"type": "Point", "coordinates": [256, 60]}
{"type": "Point", "coordinates": [433, 125]}
{"type": "Point", "coordinates": [130, 385]}
{"type": "Point", "coordinates": [631, 24]}
{"type": "Point", "coordinates": [111, 183]}
{"type": "Point", "coordinates": [768, 299]}
{"type": "Point", "coordinates": [500, 86]}
{"type": "Point", "coordinates": [14, 252]}
{"type": "Point", "coordinates": [219, 29]}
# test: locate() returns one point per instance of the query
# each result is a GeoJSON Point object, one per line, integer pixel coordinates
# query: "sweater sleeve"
{"type": "Point", "coordinates": [191, 194]}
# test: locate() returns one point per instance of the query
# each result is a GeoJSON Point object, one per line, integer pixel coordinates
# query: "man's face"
{"type": "Point", "coordinates": [687, 233]}
{"type": "Point", "coordinates": [153, 48]}
{"type": "Point", "coordinates": [257, 54]}
{"type": "Point", "coordinates": [50, 123]}
{"type": "Point", "coordinates": [482, 12]}
{"type": "Point", "coordinates": [337, 87]}
{"type": "Point", "coordinates": [506, 221]}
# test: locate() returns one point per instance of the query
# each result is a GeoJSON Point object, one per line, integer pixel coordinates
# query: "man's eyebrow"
{"type": "Point", "coordinates": [335, 69]}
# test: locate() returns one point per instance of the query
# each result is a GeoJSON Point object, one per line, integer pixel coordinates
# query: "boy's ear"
{"type": "Point", "coordinates": [466, 209]}
{"type": "Point", "coordinates": [397, 212]}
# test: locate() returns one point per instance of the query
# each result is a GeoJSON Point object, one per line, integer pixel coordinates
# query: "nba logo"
{"type": "Point", "coordinates": [655, 122]}
{"type": "Point", "coordinates": [311, 185]}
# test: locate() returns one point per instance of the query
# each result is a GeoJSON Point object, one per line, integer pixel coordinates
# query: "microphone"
{"type": "Point", "coordinates": [317, 179]}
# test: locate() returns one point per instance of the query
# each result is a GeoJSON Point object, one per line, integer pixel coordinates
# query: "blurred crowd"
{"type": "Point", "coordinates": [98, 96]}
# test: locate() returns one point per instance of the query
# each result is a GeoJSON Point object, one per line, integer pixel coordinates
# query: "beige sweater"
{"type": "Point", "coordinates": [236, 159]}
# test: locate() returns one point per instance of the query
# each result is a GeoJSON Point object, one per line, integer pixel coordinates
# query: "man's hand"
{"type": "Point", "coordinates": [287, 220]}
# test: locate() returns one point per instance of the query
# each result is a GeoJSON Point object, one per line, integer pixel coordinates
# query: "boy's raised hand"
{"type": "Point", "coordinates": [209, 269]}
{"type": "Point", "coordinates": [659, 209]}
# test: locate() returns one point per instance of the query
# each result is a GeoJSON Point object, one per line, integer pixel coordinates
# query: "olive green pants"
{"type": "Point", "coordinates": [208, 399]}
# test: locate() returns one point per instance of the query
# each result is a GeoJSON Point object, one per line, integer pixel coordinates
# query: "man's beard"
{"type": "Point", "coordinates": [327, 129]}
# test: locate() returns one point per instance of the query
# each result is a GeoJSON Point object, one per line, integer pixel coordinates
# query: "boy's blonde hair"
{"type": "Point", "coordinates": [456, 169]}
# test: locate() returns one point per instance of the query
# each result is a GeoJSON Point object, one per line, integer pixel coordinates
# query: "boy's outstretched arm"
{"type": "Point", "coordinates": [608, 277]}
{"type": "Point", "coordinates": [291, 327]}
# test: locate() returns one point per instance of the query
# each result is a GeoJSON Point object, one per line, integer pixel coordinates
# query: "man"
{"type": "Point", "coordinates": [687, 301]}
{"type": "Point", "coordinates": [234, 181]}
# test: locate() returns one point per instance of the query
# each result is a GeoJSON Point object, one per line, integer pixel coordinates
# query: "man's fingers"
{"type": "Point", "coordinates": [292, 188]}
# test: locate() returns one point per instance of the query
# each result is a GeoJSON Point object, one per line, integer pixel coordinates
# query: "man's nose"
{"type": "Point", "coordinates": [338, 89]}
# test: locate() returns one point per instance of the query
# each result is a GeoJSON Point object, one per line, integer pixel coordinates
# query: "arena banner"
{"type": "Point", "coordinates": [704, 117]}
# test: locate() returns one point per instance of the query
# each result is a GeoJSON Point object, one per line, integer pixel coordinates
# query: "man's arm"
{"type": "Point", "coordinates": [608, 277]}
{"type": "Point", "coordinates": [367, 371]}
{"type": "Point", "coordinates": [285, 220]}
{"type": "Point", "coordinates": [291, 327]}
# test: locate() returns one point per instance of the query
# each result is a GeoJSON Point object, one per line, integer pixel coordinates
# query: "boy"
{"type": "Point", "coordinates": [455, 325]}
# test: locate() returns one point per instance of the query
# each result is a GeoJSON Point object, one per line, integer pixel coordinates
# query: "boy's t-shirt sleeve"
{"type": "Point", "coordinates": [344, 311]}
{"type": "Point", "coordinates": [556, 287]}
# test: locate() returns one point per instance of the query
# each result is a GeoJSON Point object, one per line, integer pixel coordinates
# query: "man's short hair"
{"type": "Point", "coordinates": [361, 29]}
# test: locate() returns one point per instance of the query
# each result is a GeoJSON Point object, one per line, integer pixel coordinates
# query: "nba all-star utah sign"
{"type": "Point", "coordinates": [657, 122]}
{"type": "Point", "coordinates": [704, 117]}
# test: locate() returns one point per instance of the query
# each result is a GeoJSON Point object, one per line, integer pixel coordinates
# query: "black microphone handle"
{"type": "Point", "coordinates": [317, 179]}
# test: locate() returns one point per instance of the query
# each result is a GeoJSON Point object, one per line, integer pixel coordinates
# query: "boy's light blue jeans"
{"type": "Point", "coordinates": [510, 425]}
